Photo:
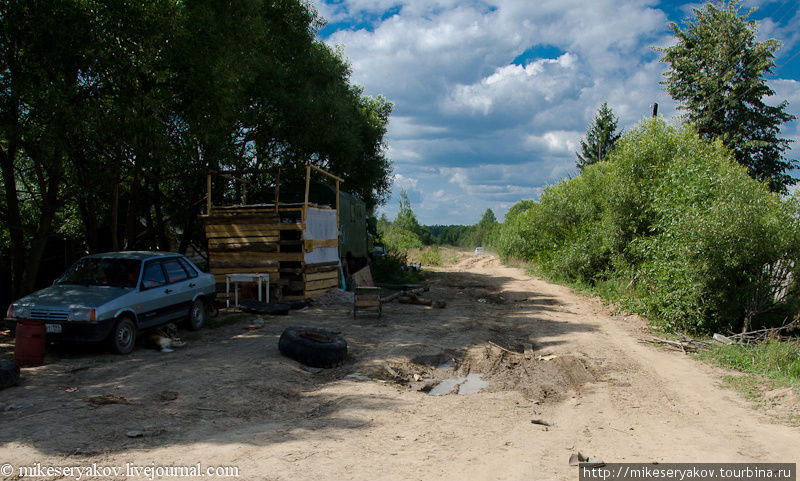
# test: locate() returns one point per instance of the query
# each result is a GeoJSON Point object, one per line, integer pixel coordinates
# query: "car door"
{"type": "Point", "coordinates": [153, 308]}
{"type": "Point", "coordinates": [180, 287]}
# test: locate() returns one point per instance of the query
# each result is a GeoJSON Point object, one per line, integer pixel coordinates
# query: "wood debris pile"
{"type": "Point", "coordinates": [684, 343]}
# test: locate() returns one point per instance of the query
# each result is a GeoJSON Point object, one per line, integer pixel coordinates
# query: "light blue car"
{"type": "Point", "coordinates": [112, 296]}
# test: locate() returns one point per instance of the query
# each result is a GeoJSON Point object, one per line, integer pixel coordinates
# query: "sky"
{"type": "Point", "coordinates": [492, 98]}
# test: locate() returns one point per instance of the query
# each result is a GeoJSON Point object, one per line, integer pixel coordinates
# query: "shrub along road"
{"type": "Point", "coordinates": [230, 398]}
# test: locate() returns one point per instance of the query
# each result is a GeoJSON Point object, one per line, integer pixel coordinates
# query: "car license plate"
{"type": "Point", "coordinates": [53, 328]}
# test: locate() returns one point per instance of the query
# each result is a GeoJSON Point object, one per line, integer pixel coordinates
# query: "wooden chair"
{"type": "Point", "coordinates": [366, 297]}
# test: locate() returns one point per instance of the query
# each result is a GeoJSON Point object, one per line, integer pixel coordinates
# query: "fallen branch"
{"type": "Point", "coordinates": [414, 299]}
{"type": "Point", "coordinates": [396, 295]}
{"type": "Point", "coordinates": [504, 349]}
{"type": "Point", "coordinates": [686, 345]}
{"type": "Point", "coordinates": [762, 335]}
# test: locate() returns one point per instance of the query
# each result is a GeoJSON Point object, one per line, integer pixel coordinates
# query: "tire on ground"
{"type": "Point", "coordinates": [313, 347]}
{"type": "Point", "coordinates": [9, 373]}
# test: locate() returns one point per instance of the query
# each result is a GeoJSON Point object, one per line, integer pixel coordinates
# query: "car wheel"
{"type": "Point", "coordinates": [197, 315]}
{"type": "Point", "coordinates": [123, 336]}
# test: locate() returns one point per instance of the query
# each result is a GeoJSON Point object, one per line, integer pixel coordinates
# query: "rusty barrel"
{"type": "Point", "coordinates": [30, 342]}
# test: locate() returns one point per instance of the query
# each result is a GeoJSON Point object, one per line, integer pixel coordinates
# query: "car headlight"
{"type": "Point", "coordinates": [82, 314]}
{"type": "Point", "coordinates": [20, 311]}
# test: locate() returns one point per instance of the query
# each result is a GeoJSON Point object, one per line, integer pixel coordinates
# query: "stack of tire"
{"type": "Point", "coordinates": [9, 373]}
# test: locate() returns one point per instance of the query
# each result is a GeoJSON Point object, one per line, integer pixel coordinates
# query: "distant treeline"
{"type": "Point", "coordinates": [405, 232]}
{"type": "Point", "coordinates": [482, 234]}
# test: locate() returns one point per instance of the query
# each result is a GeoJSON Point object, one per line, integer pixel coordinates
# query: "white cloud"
{"type": "Point", "coordinates": [557, 141]}
{"type": "Point", "coordinates": [475, 129]}
{"type": "Point", "coordinates": [538, 84]}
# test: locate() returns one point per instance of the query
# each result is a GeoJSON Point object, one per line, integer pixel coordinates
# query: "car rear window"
{"type": "Point", "coordinates": [192, 272]}
{"type": "Point", "coordinates": [175, 272]}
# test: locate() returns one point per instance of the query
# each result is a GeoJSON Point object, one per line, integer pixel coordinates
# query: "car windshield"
{"type": "Point", "coordinates": [103, 271]}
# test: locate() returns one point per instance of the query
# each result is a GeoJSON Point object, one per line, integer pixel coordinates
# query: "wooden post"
{"type": "Point", "coordinates": [308, 183]}
{"type": "Point", "coordinates": [337, 206]}
{"type": "Point", "coordinates": [277, 189]}
{"type": "Point", "coordinates": [208, 193]}
{"type": "Point", "coordinates": [308, 179]}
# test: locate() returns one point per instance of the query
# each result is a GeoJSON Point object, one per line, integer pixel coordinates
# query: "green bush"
{"type": "Point", "coordinates": [391, 269]}
{"type": "Point", "coordinates": [401, 240]}
{"type": "Point", "coordinates": [672, 227]}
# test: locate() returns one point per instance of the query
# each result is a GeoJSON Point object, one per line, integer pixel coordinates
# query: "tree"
{"type": "Point", "coordinates": [112, 112]}
{"type": "Point", "coordinates": [485, 228]}
{"type": "Point", "coordinates": [407, 220]}
{"type": "Point", "coordinates": [717, 73]}
{"type": "Point", "coordinates": [600, 137]}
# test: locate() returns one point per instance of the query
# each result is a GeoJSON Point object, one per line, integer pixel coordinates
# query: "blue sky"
{"type": "Point", "coordinates": [491, 98]}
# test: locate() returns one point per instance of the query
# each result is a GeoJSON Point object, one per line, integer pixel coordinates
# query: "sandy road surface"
{"type": "Point", "coordinates": [229, 398]}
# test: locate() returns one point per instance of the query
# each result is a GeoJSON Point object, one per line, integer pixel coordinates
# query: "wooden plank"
{"type": "Point", "coordinates": [312, 244]}
{"type": "Point", "coordinates": [244, 247]}
{"type": "Point", "coordinates": [215, 264]}
{"type": "Point", "coordinates": [321, 275]}
{"type": "Point", "coordinates": [243, 222]}
{"type": "Point", "coordinates": [242, 230]}
{"type": "Point", "coordinates": [367, 303]}
{"type": "Point", "coordinates": [315, 293]}
{"type": "Point", "coordinates": [241, 218]}
{"type": "Point", "coordinates": [290, 226]}
{"type": "Point", "coordinates": [224, 209]}
{"type": "Point", "coordinates": [266, 256]}
{"type": "Point", "coordinates": [243, 256]}
{"type": "Point", "coordinates": [312, 268]}
{"type": "Point", "coordinates": [287, 256]}
{"type": "Point", "coordinates": [325, 283]}
{"type": "Point", "coordinates": [221, 241]}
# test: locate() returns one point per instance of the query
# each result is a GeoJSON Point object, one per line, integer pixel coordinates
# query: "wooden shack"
{"type": "Point", "coordinates": [296, 244]}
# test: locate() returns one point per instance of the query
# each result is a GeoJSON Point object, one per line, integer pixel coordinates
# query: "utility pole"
{"type": "Point", "coordinates": [655, 109]}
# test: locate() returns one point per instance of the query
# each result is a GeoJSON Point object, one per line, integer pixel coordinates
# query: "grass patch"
{"type": "Point", "coordinates": [778, 361]}
{"type": "Point", "coordinates": [764, 367]}
{"type": "Point", "coordinates": [435, 256]}
{"type": "Point", "coordinates": [749, 386]}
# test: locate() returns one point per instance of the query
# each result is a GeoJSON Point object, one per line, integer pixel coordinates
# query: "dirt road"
{"type": "Point", "coordinates": [230, 398]}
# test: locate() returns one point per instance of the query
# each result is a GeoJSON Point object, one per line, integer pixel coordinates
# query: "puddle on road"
{"type": "Point", "coordinates": [472, 384]}
{"type": "Point", "coordinates": [446, 365]}
{"type": "Point", "coordinates": [466, 385]}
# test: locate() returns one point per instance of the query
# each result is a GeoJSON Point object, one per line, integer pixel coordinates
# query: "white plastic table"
{"type": "Point", "coordinates": [237, 278]}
